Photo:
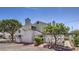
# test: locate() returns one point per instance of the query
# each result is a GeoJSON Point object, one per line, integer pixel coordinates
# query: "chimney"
{"type": "Point", "coordinates": [27, 21]}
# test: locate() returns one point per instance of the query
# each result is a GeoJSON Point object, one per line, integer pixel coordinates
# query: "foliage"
{"type": "Point", "coordinates": [39, 39]}
{"type": "Point", "coordinates": [76, 37]}
{"type": "Point", "coordinates": [10, 26]}
{"type": "Point", "coordinates": [56, 29]}
{"type": "Point", "coordinates": [76, 41]}
{"type": "Point", "coordinates": [76, 32]}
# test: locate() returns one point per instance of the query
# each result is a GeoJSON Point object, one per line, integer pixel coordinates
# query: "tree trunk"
{"type": "Point", "coordinates": [3, 34]}
{"type": "Point", "coordinates": [55, 39]}
{"type": "Point", "coordinates": [12, 37]}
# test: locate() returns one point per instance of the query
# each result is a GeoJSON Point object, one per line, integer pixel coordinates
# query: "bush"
{"type": "Point", "coordinates": [40, 36]}
{"type": "Point", "coordinates": [66, 38]}
{"type": "Point", "coordinates": [76, 41]}
{"type": "Point", "coordinates": [38, 40]}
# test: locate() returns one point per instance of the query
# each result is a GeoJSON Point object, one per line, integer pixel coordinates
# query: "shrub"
{"type": "Point", "coordinates": [76, 41]}
{"type": "Point", "coordinates": [38, 40]}
{"type": "Point", "coordinates": [66, 38]}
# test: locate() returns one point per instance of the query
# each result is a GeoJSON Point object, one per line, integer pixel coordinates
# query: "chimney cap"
{"type": "Point", "coordinates": [27, 19]}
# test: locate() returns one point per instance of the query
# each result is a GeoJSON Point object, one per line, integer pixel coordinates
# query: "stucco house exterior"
{"type": "Point", "coordinates": [29, 30]}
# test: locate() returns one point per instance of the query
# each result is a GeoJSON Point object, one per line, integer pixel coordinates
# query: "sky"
{"type": "Point", "coordinates": [67, 15]}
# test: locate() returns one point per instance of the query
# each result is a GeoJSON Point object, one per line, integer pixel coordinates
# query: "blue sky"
{"type": "Point", "coordinates": [68, 15]}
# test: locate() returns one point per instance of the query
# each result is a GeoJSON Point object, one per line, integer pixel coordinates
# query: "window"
{"type": "Point", "coordinates": [19, 31]}
{"type": "Point", "coordinates": [37, 22]}
{"type": "Point", "coordinates": [20, 36]}
{"type": "Point", "coordinates": [33, 27]}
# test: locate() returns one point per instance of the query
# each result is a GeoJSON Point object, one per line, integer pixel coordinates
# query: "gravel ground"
{"type": "Point", "coordinates": [21, 47]}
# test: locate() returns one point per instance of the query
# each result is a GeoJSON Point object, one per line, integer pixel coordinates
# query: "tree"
{"type": "Point", "coordinates": [76, 32]}
{"type": "Point", "coordinates": [10, 26]}
{"type": "Point", "coordinates": [76, 37]}
{"type": "Point", "coordinates": [76, 41]}
{"type": "Point", "coordinates": [56, 29]}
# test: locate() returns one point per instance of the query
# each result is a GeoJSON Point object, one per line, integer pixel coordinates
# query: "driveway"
{"type": "Point", "coordinates": [21, 47]}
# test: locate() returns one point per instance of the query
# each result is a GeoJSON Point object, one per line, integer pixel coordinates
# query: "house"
{"type": "Point", "coordinates": [40, 26]}
{"type": "Point", "coordinates": [5, 35]}
{"type": "Point", "coordinates": [28, 31]}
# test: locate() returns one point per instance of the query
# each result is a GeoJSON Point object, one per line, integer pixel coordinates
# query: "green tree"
{"type": "Point", "coordinates": [56, 29]}
{"type": "Point", "coordinates": [76, 32]}
{"type": "Point", "coordinates": [76, 41]}
{"type": "Point", "coordinates": [10, 26]}
{"type": "Point", "coordinates": [76, 37]}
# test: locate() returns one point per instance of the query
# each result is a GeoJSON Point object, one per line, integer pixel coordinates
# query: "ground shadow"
{"type": "Point", "coordinates": [59, 47]}
{"type": "Point", "coordinates": [5, 42]}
